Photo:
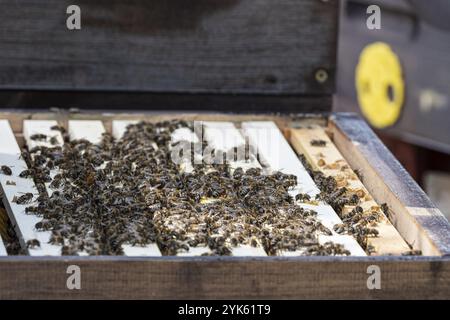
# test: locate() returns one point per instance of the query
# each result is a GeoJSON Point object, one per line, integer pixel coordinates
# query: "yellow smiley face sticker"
{"type": "Point", "coordinates": [379, 85]}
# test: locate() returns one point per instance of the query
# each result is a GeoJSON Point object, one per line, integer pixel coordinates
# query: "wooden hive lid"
{"type": "Point", "coordinates": [233, 47]}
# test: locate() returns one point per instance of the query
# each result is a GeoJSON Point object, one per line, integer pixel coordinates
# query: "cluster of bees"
{"type": "Point", "coordinates": [130, 192]}
{"type": "Point", "coordinates": [357, 222]}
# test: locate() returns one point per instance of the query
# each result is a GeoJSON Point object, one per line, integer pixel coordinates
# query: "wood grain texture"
{"type": "Point", "coordinates": [330, 161]}
{"type": "Point", "coordinates": [229, 46]}
{"type": "Point", "coordinates": [417, 219]}
{"type": "Point", "coordinates": [231, 278]}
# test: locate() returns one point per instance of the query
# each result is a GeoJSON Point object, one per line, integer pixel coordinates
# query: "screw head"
{"type": "Point", "coordinates": [321, 75]}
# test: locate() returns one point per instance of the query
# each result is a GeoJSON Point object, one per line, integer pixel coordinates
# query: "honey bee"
{"type": "Point", "coordinates": [38, 137]}
{"type": "Point", "coordinates": [33, 243]}
{"type": "Point", "coordinates": [25, 155]}
{"type": "Point", "coordinates": [359, 174]}
{"type": "Point", "coordinates": [23, 199]}
{"type": "Point", "coordinates": [58, 128]}
{"type": "Point", "coordinates": [6, 170]}
{"type": "Point", "coordinates": [27, 173]}
{"type": "Point", "coordinates": [54, 140]}
{"type": "Point", "coordinates": [412, 253]}
{"type": "Point", "coordinates": [31, 210]}
{"type": "Point", "coordinates": [318, 143]}
{"type": "Point", "coordinates": [303, 197]}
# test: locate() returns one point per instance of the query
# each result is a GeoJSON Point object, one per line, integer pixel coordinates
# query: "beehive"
{"type": "Point", "coordinates": [218, 57]}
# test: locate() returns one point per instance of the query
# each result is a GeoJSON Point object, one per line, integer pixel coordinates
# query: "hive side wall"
{"type": "Point", "coordinates": [417, 219]}
{"type": "Point", "coordinates": [214, 278]}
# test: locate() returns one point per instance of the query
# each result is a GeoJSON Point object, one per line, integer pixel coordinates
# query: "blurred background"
{"type": "Point", "coordinates": [417, 35]}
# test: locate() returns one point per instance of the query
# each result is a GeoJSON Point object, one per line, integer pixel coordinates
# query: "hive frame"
{"type": "Point", "coordinates": [405, 277]}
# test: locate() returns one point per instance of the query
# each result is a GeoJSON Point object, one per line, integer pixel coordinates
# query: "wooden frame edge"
{"type": "Point", "coordinates": [218, 278]}
{"type": "Point", "coordinates": [417, 219]}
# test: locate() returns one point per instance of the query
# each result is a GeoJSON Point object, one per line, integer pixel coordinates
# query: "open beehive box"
{"type": "Point", "coordinates": [315, 200]}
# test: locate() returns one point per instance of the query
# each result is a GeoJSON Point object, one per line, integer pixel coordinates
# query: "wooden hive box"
{"type": "Point", "coordinates": [243, 64]}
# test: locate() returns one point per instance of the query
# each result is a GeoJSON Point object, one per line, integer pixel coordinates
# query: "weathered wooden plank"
{"type": "Point", "coordinates": [225, 278]}
{"type": "Point", "coordinates": [24, 224]}
{"type": "Point", "coordinates": [267, 141]}
{"type": "Point", "coordinates": [412, 213]}
{"type": "Point", "coordinates": [92, 130]}
{"type": "Point", "coordinates": [208, 46]}
{"type": "Point", "coordinates": [327, 159]}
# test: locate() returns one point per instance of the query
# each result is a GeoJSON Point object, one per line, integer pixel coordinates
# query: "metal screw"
{"type": "Point", "coordinates": [321, 75]}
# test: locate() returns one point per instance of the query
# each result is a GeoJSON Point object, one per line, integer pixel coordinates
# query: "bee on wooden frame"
{"type": "Point", "coordinates": [58, 128]}
{"type": "Point", "coordinates": [318, 143]}
{"type": "Point", "coordinates": [38, 137]}
{"type": "Point", "coordinates": [6, 170]}
{"type": "Point", "coordinates": [27, 173]}
{"type": "Point", "coordinates": [33, 243]}
{"type": "Point", "coordinates": [23, 199]}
